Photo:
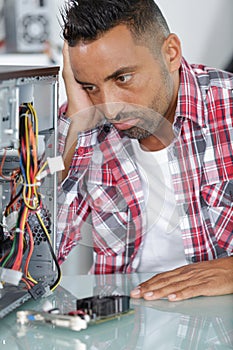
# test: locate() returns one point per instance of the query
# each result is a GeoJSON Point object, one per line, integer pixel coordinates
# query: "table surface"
{"type": "Point", "coordinates": [199, 323]}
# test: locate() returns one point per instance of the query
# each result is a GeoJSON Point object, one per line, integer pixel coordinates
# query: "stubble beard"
{"type": "Point", "coordinates": [137, 133]}
{"type": "Point", "coordinates": [149, 124]}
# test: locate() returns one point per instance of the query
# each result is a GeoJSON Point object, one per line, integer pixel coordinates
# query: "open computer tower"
{"type": "Point", "coordinates": [28, 139]}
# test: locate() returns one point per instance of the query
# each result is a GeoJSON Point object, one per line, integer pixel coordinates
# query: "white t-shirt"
{"type": "Point", "coordinates": [163, 248]}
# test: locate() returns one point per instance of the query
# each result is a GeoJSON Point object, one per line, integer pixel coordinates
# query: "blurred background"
{"type": "Point", "coordinates": [30, 31]}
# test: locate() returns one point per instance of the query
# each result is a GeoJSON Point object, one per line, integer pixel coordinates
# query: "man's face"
{"type": "Point", "coordinates": [132, 86]}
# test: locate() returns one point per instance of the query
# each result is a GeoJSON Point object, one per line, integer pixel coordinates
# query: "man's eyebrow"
{"type": "Point", "coordinates": [114, 75]}
{"type": "Point", "coordinates": [120, 71]}
{"type": "Point", "coordinates": [82, 82]}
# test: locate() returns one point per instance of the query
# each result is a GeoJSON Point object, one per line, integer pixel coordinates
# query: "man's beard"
{"type": "Point", "coordinates": [149, 124]}
{"type": "Point", "coordinates": [137, 133]}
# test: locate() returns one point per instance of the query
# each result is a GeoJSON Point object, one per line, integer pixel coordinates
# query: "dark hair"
{"type": "Point", "coordinates": [87, 20]}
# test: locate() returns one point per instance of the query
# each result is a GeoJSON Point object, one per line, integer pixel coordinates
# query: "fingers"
{"type": "Point", "coordinates": [65, 53]}
{"type": "Point", "coordinates": [67, 71]}
{"type": "Point", "coordinates": [205, 278]}
{"type": "Point", "coordinates": [169, 284]}
{"type": "Point", "coordinates": [65, 48]}
{"type": "Point", "coordinates": [173, 292]}
{"type": "Point", "coordinates": [77, 98]}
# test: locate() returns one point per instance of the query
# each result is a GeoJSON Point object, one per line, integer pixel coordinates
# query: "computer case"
{"type": "Point", "coordinates": [36, 87]}
{"type": "Point", "coordinates": [27, 25]}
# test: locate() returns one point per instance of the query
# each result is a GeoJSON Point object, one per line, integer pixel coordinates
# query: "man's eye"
{"type": "Point", "coordinates": [124, 78]}
{"type": "Point", "coordinates": [89, 88]}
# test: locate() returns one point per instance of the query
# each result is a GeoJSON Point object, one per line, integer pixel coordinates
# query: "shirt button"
{"type": "Point", "coordinates": [81, 151]}
{"type": "Point", "coordinates": [98, 202]}
{"type": "Point", "coordinates": [107, 128]}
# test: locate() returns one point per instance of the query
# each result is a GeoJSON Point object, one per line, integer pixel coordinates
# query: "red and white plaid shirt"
{"type": "Point", "coordinates": [103, 179]}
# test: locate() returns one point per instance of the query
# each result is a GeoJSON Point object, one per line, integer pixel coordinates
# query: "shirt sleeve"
{"type": "Point", "coordinates": [63, 127]}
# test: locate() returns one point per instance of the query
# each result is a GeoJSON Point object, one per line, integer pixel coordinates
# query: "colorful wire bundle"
{"type": "Point", "coordinates": [27, 200]}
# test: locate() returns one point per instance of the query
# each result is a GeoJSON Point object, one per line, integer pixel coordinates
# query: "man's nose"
{"type": "Point", "coordinates": [110, 104]}
{"type": "Point", "coordinates": [111, 109]}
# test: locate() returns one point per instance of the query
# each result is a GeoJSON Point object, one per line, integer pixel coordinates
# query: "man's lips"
{"type": "Point", "coordinates": [127, 124]}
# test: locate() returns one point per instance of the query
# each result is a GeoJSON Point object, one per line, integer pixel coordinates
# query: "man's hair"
{"type": "Point", "coordinates": [87, 20]}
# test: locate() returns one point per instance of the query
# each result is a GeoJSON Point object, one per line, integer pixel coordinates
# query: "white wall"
{"type": "Point", "coordinates": [205, 28]}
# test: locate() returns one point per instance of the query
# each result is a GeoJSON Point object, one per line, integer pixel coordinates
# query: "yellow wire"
{"type": "Point", "coordinates": [57, 284]}
{"type": "Point", "coordinates": [30, 278]}
{"type": "Point", "coordinates": [34, 116]}
{"type": "Point", "coordinates": [28, 163]}
{"type": "Point", "coordinates": [42, 168]}
{"type": "Point", "coordinates": [47, 234]}
{"type": "Point", "coordinates": [43, 226]}
{"type": "Point", "coordinates": [27, 152]}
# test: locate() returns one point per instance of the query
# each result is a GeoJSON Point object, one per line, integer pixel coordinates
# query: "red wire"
{"type": "Point", "coordinates": [31, 247]}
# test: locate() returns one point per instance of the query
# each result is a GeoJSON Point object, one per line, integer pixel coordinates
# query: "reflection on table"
{"type": "Point", "coordinates": [199, 323]}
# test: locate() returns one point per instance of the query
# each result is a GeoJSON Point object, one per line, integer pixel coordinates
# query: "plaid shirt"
{"type": "Point", "coordinates": [103, 179]}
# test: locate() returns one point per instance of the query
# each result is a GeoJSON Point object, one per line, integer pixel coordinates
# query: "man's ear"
{"type": "Point", "coordinates": [172, 52]}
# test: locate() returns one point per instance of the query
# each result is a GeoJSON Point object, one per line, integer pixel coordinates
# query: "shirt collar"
{"type": "Point", "coordinates": [190, 97]}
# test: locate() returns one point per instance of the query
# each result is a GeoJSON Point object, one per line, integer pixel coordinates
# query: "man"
{"type": "Point", "coordinates": [140, 110]}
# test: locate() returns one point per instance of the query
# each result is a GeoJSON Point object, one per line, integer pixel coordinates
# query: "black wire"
{"type": "Point", "coordinates": [56, 263]}
{"type": "Point", "coordinates": [14, 199]}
